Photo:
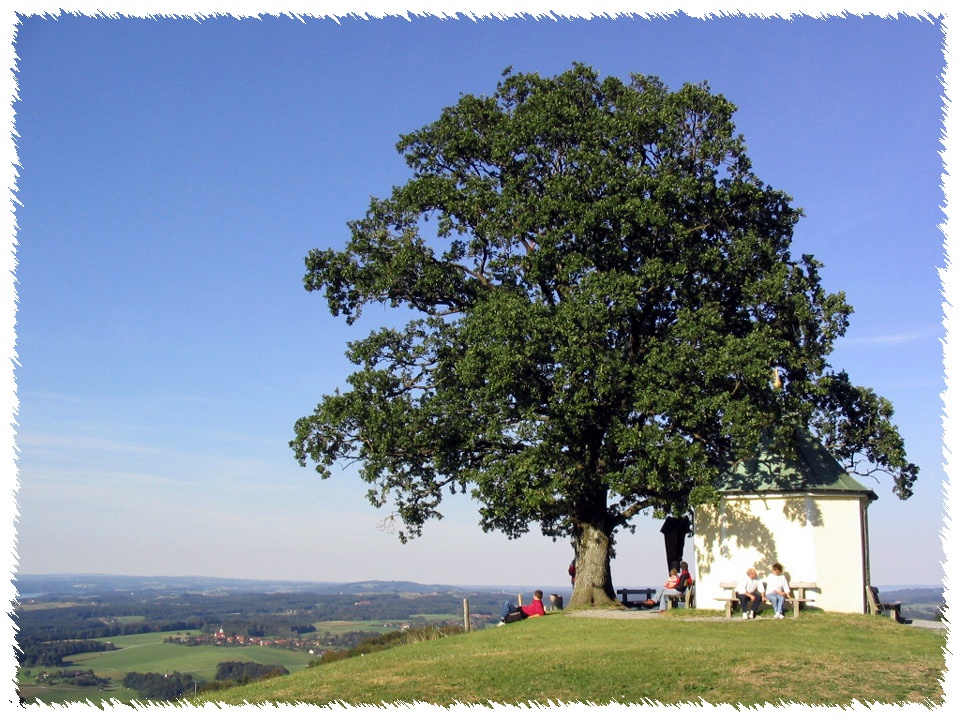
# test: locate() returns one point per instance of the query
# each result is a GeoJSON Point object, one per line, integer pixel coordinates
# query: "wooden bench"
{"type": "Point", "coordinates": [625, 594]}
{"type": "Point", "coordinates": [799, 589]}
{"type": "Point", "coordinates": [798, 599]}
{"type": "Point", "coordinates": [731, 598]}
{"type": "Point", "coordinates": [878, 608]}
{"type": "Point", "coordinates": [686, 598]}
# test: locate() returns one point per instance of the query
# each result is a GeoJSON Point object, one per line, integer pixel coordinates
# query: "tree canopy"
{"type": "Point", "coordinates": [606, 314]}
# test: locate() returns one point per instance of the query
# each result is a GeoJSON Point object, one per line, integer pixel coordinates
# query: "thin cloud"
{"type": "Point", "coordinates": [98, 401]}
{"type": "Point", "coordinates": [55, 482]}
{"type": "Point", "coordinates": [90, 444]}
{"type": "Point", "coordinates": [891, 339]}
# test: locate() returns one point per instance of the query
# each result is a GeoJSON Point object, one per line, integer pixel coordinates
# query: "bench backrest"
{"type": "Point", "coordinates": [873, 600]}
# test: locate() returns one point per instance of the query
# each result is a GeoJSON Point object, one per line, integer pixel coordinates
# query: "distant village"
{"type": "Point", "coordinates": [312, 645]}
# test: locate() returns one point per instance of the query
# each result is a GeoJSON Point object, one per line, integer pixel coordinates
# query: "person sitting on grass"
{"type": "Point", "coordinates": [670, 589]}
{"type": "Point", "coordinates": [512, 613]}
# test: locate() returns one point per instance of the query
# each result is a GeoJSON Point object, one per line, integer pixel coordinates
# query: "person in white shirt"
{"type": "Point", "coordinates": [778, 590]}
{"type": "Point", "coordinates": [750, 594]}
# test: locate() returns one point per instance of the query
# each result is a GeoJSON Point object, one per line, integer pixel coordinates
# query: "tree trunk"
{"type": "Point", "coordinates": [593, 586]}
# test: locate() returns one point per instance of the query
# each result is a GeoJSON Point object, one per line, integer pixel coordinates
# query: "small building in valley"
{"type": "Point", "coordinates": [803, 511]}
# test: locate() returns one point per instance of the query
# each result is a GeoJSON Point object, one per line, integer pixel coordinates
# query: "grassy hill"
{"type": "Point", "coordinates": [683, 656]}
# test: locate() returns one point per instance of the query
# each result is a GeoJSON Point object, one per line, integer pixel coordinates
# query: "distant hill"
{"type": "Point", "coordinates": [928, 595]}
{"type": "Point", "coordinates": [91, 584]}
{"type": "Point", "coordinates": [919, 602]}
{"type": "Point", "coordinates": [905, 593]}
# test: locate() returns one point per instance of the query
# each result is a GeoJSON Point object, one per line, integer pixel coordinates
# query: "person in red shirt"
{"type": "Point", "coordinates": [534, 608]}
{"type": "Point", "coordinates": [670, 589]}
{"type": "Point", "coordinates": [686, 584]}
{"type": "Point", "coordinates": [686, 580]}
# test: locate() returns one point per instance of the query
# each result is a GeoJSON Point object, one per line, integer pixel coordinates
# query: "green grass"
{"type": "Point", "coordinates": [146, 653]}
{"type": "Point", "coordinates": [149, 653]}
{"type": "Point", "coordinates": [438, 618]}
{"type": "Point", "coordinates": [66, 694]}
{"type": "Point", "coordinates": [818, 659]}
{"type": "Point", "coordinates": [129, 619]}
{"type": "Point", "coordinates": [341, 627]}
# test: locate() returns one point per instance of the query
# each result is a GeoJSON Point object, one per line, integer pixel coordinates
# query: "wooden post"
{"type": "Point", "coordinates": [519, 600]}
{"type": "Point", "coordinates": [466, 615]}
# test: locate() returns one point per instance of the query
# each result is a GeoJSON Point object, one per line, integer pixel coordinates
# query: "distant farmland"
{"type": "Point", "coordinates": [148, 653]}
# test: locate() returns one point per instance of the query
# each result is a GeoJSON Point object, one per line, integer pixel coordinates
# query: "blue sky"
{"type": "Point", "coordinates": [175, 173]}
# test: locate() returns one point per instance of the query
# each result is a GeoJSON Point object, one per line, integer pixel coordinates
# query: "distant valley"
{"type": "Point", "coordinates": [70, 627]}
{"type": "Point", "coordinates": [92, 638]}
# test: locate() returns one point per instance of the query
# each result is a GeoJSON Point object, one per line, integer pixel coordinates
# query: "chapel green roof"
{"type": "Point", "coordinates": [811, 469]}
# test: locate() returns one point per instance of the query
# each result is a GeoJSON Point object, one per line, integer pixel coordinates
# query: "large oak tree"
{"type": "Point", "coordinates": [606, 315]}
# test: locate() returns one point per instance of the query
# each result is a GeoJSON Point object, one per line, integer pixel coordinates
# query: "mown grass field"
{"type": "Point", "coordinates": [684, 656]}
{"type": "Point", "coordinates": [341, 627]}
{"type": "Point", "coordinates": [148, 653]}
{"type": "Point", "coordinates": [66, 694]}
{"type": "Point", "coordinates": [438, 618]}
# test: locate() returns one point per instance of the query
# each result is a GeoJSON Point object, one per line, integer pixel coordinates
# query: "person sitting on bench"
{"type": "Point", "coordinates": [512, 613]}
{"type": "Point", "coordinates": [778, 590]}
{"type": "Point", "coordinates": [750, 594]}
{"type": "Point", "coordinates": [670, 589]}
{"type": "Point", "coordinates": [686, 581]}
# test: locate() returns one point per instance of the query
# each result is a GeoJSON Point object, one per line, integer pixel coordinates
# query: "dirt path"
{"type": "Point", "coordinates": [611, 614]}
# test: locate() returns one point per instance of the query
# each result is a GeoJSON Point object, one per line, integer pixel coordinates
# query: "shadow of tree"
{"type": "Point", "coordinates": [763, 473]}
{"type": "Point", "coordinates": [803, 510]}
{"type": "Point", "coordinates": [733, 523]}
